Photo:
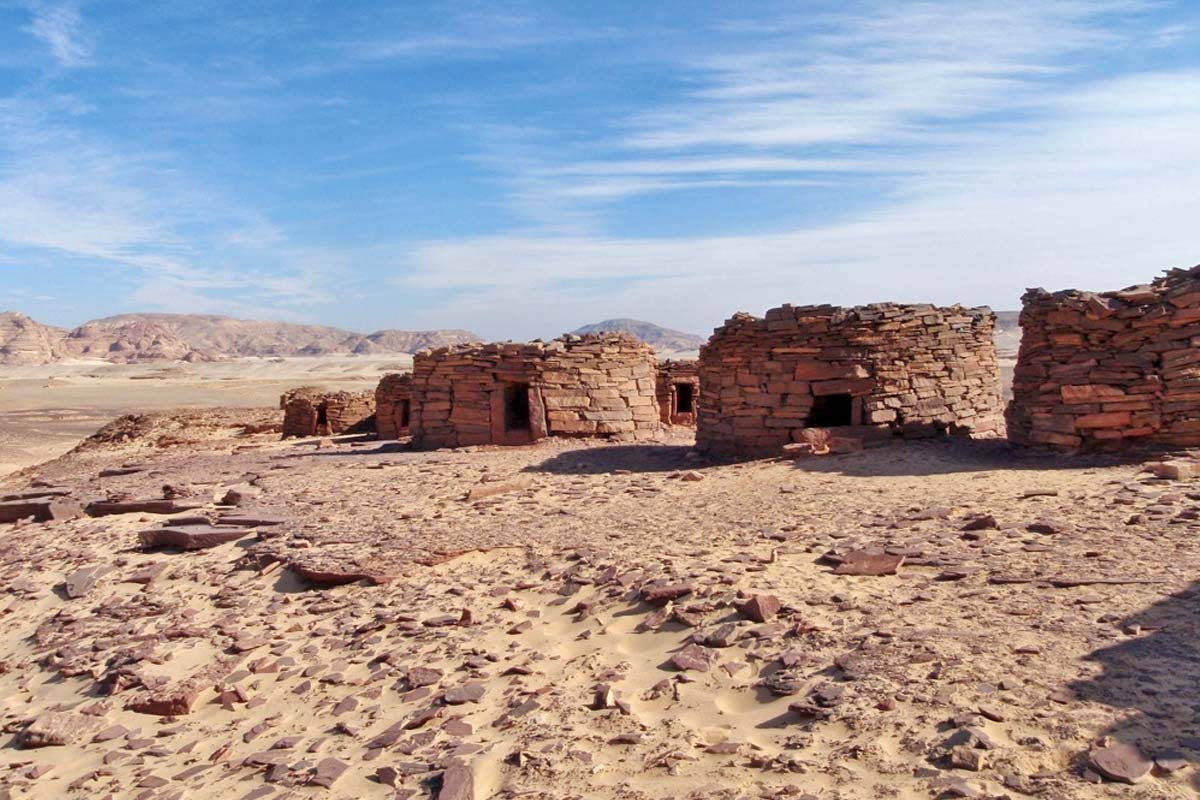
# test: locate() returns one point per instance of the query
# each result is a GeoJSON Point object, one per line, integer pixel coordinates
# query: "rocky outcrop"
{"type": "Point", "coordinates": [131, 339]}
{"type": "Point", "coordinates": [26, 341]}
{"type": "Point", "coordinates": [394, 341]}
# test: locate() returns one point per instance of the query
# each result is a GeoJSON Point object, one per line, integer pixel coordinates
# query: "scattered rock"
{"type": "Point", "coordinates": [866, 562]}
{"type": "Point", "coordinates": [761, 607]}
{"type": "Point", "coordinates": [1120, 762]}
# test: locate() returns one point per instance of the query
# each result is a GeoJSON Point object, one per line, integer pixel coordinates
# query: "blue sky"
{"type": "Point", "coordinates": [523, 168]}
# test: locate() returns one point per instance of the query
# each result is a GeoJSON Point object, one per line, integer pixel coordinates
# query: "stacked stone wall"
{"type": "Point", "coordinates": [597, 385]}
{"type": "Point", "coordinates": [393, 405]}
{"type": "Point", "coordinates": [671, 375]}
{"type": "Point", "coordinates": [308, 411]}
{"type": "Point", "coordinates": [1110, 370]}
{"type": "Point", "coordinates": [886, 368]}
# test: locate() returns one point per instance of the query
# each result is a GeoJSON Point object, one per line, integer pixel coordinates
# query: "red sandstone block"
{"type": "Point", "coordinates": [1058, 439]}
{"type": "Point", "coordinates": [1112, 419]}
{"type": "Point", "coordinates": [1090, 393]}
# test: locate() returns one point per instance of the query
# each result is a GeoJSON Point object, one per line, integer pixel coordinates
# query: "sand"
{"type": "Point", "coordinates": [46, 410]}
{"type": "Point", "coordinates": [508, 639]}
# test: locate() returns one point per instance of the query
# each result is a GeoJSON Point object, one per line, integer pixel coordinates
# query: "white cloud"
{"type": "Point", "coordinates": [60, 27]}
{"type": "Point", "coordinates": [1001, 159]}
{"type": "Point", "coordinates": [1099, 194]}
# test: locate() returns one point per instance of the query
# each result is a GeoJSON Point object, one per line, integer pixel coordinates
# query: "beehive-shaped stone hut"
{"type": "Point", "coordinates": [594, 385]}
{"type": "Point", "coordinates": [678, 391]}
{"type": "Point", "coordinates": [310, 411]}
{"type": "Point", "coordinates": [906, 369]}
{"type": "Point", "coordinates": [393, 405]}
{"type": "Point", "coordinates": [1111, 369]}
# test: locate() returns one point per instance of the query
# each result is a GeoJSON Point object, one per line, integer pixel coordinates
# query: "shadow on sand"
{"type": "Point", "coordinates": [898, 458]}
{"type": "Point", "coordinates": [638, 458]}
{"type": "Point", "coordinates": [1156, 675]}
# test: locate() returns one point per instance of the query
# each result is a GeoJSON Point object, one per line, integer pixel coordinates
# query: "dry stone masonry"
{"type": "Point", "coordinates": [310, 411]}
{"type": "Point", "coordinates": [884, 368]}
{"type": "Point", "coordinates": [678, 391]}
{"type": "Point", "coordinates": [1112, 369]}
{"type": "Point", "coordinates": [514, 393]}
{"type": "Point", "coordinates": [393, 405]}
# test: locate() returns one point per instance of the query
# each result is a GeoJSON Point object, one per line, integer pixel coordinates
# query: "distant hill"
{"type": "Point", "coordinates": [26, 341]}
{"type": "Point", "coordinates": [393, 341]}
{"type": "Point", "coordinates": [198, 337]}
{"type": "Point", "coordinates": [660, 338]}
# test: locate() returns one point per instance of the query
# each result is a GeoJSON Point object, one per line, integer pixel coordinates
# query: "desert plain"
{"type": "Point", "coordinates": [244, 617]}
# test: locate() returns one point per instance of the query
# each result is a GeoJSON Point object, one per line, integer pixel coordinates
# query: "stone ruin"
{"type": "Point", "coordinates": [311, 411]}
{"type": "Point", "coordinates": [393, 405]}
{"type": "Point", "coordinates": [515, 393]}
{"type": "Point", "coordinates": [875, 370]}
{"type": "Point", "coordinates": [678, 391]}
{"type": "Point", "coordinates": [1111, 369]}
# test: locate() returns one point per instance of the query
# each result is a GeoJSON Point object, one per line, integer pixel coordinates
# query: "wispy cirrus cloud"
{"type": "Point", "coordinates": [60, 27]}
{"type": "Point", "coordinates": [1002, 162]}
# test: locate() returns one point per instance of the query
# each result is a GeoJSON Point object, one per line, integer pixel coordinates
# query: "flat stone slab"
{"type": "Point", "coordinates": [1120, 762]}
{"type": "Point", "coordinates": [191, 537]}
{"type": "Point", "coordinates": [865, 562]}
{"type": "Point", "coordinates": [104, 508]}
{"type": "Point", "coordinates": [43, 510]}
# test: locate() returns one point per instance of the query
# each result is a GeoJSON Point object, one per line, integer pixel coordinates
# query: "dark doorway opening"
{"type": "Point", "coordinates": [322, 416]}
{"type": "Point", "coordinates": [516, 407]}
{"type": "Point", "coordinates": [831, 411]}
{"type": "Point", "coordinates": [684, 398]}
{"type": "Point", "coordinates": [405, 410]}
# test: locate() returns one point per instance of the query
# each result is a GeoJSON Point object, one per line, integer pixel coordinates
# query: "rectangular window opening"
{"type": "Point", "coordinates": [516, 407]}
{"type": "Point", "coordinates": [831, 411]}
{"type": "Point", "coordinates": [684, 398]}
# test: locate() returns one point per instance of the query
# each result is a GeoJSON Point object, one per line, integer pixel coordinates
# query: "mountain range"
{"type": "Point", "coordinates": [132, 338]}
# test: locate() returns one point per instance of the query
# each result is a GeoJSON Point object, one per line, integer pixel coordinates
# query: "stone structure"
{"type": "Point", "coordinates": [310, 411]}
{"type": "Point", "coordinates": [876, 369]}
{"type": "Point", "coordinates": [393, 405]}
{"type": "Point", "coordinates": [592, 385]}
{"type": "Point", "coordinates": [1112, 369]}
{"type": "Point", "coordinates": [678, 391]}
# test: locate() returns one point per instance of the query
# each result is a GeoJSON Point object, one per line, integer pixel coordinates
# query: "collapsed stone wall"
{"type": "Point", "coordinates": [678, 391]}
{"type": "Point", "coordinates": [911, 370]}
{"type": "Point", "coordinates": [514, 393]}
{"type": "Point", "coordinates": [1110, 369]}
{"type": "Point", "coordinates": [309, 411]}
{"type": "Point", "coordinates": [393, 405]}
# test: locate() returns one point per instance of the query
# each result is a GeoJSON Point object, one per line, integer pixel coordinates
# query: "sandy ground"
{"type": "Point", "coordinates": [46, 410]}
{"type": "Point", "coordinates": [569, 620]}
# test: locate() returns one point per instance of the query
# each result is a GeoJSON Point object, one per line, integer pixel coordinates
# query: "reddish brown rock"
{"type": "Point", "coordinates": [1120, 762]}
{"type": "Point", "coordinates": [662, 592]}
{"type": "Point", "coordinates": [458, 783]}
{"type": "Point", "coordinates": [761, 607]}
{"type": "Point", "coordinates": [191, 537]}
{"type": "Point", "coordinates": [43, 510]}
{"type": "Point", "coordinates": [104, 508]}
{"type": "Point", "coordinates": [865, 562]}
{"type": "Point", "coordinates": [55, 729]}
{"type": "Point", "coordinates": [694, 658]}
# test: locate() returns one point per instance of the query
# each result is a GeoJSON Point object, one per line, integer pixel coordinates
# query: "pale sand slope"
{"type": "Point", "coordinates": [45, 410]}
{"type": "Point", "coordinates": [983, 641]}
